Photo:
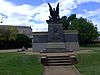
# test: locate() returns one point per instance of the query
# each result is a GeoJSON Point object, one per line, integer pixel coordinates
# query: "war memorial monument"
{"type": "Point", "coordinates": [56, 39]}
{"type": "Point", "coordinates": [55, 45]}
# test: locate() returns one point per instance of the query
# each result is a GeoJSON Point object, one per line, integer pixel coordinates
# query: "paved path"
{"type": "Point", "coordinates": [60, 70]}
{"type": "Point", "coordinates": [14, 50]}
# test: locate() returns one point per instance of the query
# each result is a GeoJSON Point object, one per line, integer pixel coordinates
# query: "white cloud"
{"type": "Point", "coordinates": [66, 6]}
{"type": "Point", "coordinates": [40, 27]}
{"type": "Point", "coordinates": [87, 14]}
{"type": "Point", "coordinates": [42, 11]}
{"type": "Point", "coordinates": [9, 8]}
{"type": "Point", "coordinates": [22, 14]}
{"type": "Point", "coordinates": [95, 16]}
{"type": "Point", "coordinates": [93, 13]}
{"type": "Point", "coordinates": [19, 15]}
{"type": "Point", "coordinates": [84, 1]}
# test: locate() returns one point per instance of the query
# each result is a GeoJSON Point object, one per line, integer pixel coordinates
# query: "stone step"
{"type": "Point", "coordinates": [54, 50]}
{"type": "Point", "coordinates": [67, 56]}
{"type": "Point", "coordinates": [57, 64]}
{"type": "Point", "coordinates": [56, 45]}
{"type": "Point", "coordinates": [58, 61]}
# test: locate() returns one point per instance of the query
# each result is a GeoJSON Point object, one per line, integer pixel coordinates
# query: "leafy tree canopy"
{"type": "Point", "coordinates": [87, 30]}
{"type": "Point", "coordinates": [23, 38]}
{"type": "Point", "coordinates": [8, 33]}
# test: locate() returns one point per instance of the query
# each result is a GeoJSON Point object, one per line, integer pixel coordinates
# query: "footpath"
{"type": "Point", "coordinates": [13, 50]}
{"type": "Point", "coordinates": [61, 70]}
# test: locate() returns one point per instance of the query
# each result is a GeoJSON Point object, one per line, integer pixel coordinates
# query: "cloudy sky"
{"type": "Point", "coordinates": [34, 12]}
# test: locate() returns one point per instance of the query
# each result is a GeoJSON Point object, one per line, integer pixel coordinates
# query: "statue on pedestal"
{"type": "Point", "coordinates": [54, 13]}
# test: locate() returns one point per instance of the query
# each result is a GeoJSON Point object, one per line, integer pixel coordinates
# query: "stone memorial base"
{"type": "Point", "coordinates": [40, 41]}
{"type": "Point", "coordinates": [56, 39]}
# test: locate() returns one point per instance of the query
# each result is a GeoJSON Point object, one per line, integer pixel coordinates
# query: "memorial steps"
{"type": "Point", "coordinates": [58, 60]}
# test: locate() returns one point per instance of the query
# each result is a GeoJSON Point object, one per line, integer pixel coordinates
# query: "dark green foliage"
{"type": "Point", "coordinates": [87, 31]}
{"type": "Point", "coordinates": [22, 39]}
{"type": "Point", "coordinates": [71, 18]}
{"type": "Point", "coordinates": [9, 38]}
{"type": "Point", "coordinates": [65, 23]}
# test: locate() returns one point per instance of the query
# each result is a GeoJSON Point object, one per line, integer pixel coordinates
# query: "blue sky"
{"type": "Point", "coordinates": [34, 12]}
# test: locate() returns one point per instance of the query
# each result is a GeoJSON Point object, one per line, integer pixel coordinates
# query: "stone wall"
{"type": "Point", "coordinates": [71, 39]}
{"type": "Point", "coordinates": [40, 40]}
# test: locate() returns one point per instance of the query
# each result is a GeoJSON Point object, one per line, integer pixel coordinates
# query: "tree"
{"type": "Point", "coordinates": [12, 32]}
{"type": "Point", "coordinates": [71, 18]}
{"type": "Point", "coordinates": [8, 33]}
{"type": "Point", "coordinates": [23, 39]}
{"type": "Point", "coordinates": [7, 36]}
{"type": "Point", "coordinates": [64, 23]}
{"type": "Point", "coordinates": [87, 31]}
{"type": "Point", "coordinates": [1, 34]}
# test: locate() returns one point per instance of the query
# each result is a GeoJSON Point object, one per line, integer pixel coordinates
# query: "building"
{"type": "Point", "coordinates": [27, 30]}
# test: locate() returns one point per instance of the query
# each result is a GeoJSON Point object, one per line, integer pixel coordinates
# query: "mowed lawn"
{"type": "Point", "coordinates": [19, 64]}
{"type": "Point", "coordinates": [89, 63]}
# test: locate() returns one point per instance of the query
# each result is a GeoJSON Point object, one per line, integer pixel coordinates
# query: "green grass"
{"type": "Point", "coordinates": [89, 63]}
{"type": "Point", "coordinates": [19, 64]}
{"type": "Point", "coordinates": [90, 48]}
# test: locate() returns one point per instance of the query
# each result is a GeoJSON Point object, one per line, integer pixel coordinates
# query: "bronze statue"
{"type": "Point", "coordinates": [54, 13]}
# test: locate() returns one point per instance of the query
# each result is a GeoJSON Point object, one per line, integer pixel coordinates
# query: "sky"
{"type": "Point", "coordinates": [34, 13]}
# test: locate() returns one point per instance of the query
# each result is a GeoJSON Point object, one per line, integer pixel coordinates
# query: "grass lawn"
{"type": "Point", "coordinates": [89, 63]}
{"type": "Point", "coordinates": [19, 64]}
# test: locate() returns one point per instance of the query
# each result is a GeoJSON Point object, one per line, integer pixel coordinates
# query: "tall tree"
{"type": "Point", "coordinates": [65, 23]}
{"type": "Point", "coordinates": [87, 31]}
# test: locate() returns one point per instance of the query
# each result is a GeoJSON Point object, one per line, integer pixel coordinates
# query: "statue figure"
{"type": "Point", "coordinates": [54, 13]}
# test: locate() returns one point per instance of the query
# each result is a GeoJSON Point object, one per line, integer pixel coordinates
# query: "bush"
{"type": "Point", "coordinates": [21, 40]}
